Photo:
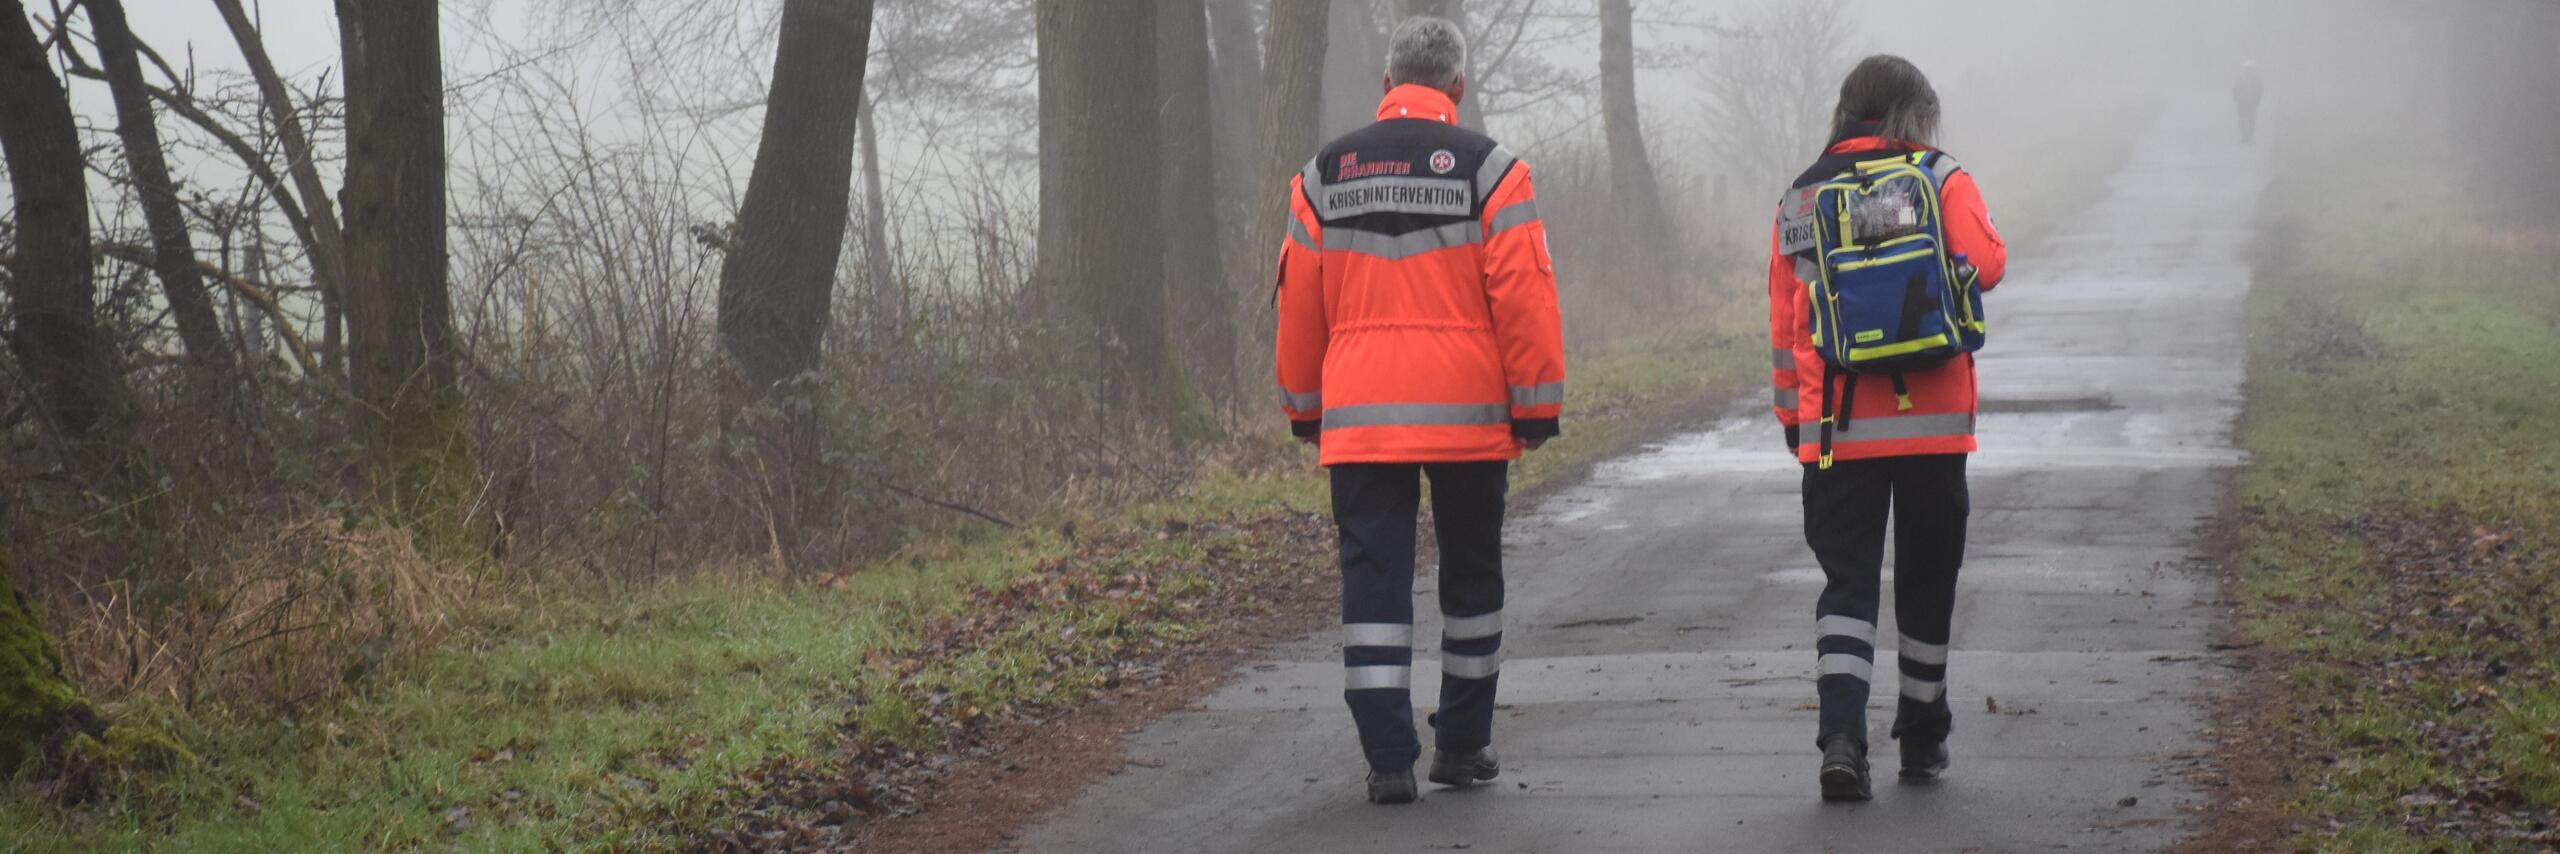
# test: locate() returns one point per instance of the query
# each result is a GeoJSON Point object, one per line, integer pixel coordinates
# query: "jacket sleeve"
{"type": "Point", "coordinates": [1970, 232]}
{"type": "Point", "coordinates": [1520, 284]}
{"type": "Point", "coordinates": [1304, 329]}
{"type": "Point", "coordinates": [1786, 327]}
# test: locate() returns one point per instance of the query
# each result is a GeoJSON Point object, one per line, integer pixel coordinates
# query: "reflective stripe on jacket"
{"type": "Point", "coordinates": [1417, 300]}
{"type": "Point", "coordinates": [1944, 400]}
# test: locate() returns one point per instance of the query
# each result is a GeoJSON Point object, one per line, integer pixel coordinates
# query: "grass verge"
{"type": "Point", "coordinates": [654, 717]}
{"type": "Point", "coordinates": [2391, 543]}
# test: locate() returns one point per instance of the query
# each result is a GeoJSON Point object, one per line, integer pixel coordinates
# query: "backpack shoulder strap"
{"type": "Point", "coordinates": [1939, 166]}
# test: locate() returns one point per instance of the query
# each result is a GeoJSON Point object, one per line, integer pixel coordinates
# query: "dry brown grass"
{"type": "Point", "coordinates": [290, 614]}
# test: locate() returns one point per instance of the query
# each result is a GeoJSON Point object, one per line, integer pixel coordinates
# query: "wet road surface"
{"type": "Point", "coordinates": [1659, 669]}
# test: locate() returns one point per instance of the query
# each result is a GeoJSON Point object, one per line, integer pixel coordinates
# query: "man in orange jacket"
{"type": "Point", "coordinates": [1418, 335]}
{"type": "Point", "coordinates": [1899, 451]}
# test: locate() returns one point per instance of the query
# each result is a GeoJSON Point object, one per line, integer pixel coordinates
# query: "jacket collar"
{"type": "Point", "coordinates": [1859, 137]}
{"type": "Point", "coordinates": [1414, 101]}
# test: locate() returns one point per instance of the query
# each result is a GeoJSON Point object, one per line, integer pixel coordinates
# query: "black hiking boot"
{"type": "Point", "coordinates": [1844, 770]}
{"type": "Point", "coordinates": [1393, 787]}
{"type": "Point", "coordinates": [1923, 760]}
{"type": "Point", "coordinates": [1464, 769]}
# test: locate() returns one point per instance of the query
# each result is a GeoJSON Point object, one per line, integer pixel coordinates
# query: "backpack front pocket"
{"type": "Point", "coordinates": [1889, 306]}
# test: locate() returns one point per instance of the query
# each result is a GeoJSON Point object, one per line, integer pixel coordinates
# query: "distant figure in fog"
{"type": "Point", "coordinates": [1883, 248]}
{"type": "Point", "coordinates": [1419, 337]}
{"type": "Point", "coordinates": [2244, 96]}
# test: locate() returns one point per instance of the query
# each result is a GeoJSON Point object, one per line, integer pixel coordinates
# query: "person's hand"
{"type": "Point", "coordinates": [1310, 441]}
{"type": "Point", "coordinates": [1794, 437]}
{"type": "Point", "coordinates": [1530, 444]}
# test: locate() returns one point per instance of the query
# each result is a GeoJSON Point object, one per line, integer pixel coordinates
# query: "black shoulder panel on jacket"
{"type": "Point", "coordinates": [1399, 176]}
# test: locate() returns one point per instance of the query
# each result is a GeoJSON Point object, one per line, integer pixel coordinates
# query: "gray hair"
{"type": "Point", "coordinates": [1427, 51]}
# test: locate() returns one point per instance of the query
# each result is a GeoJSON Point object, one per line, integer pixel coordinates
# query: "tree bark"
{"type": "Point", "coordinates": [1355, 64]}
{"type": "Point", "coordinates": [319, 230]}
{"type": "Point", "coordinates": [1631, 176]}
{"type": "Point", "coordinates": [1293, 86]}
{"type": "Point", "coordinates": [778, 282]}
{"type": "Point", "coordinates": [54, 334]}
{"type": "Point", "coordinates": [1237, 50]}
{"type": "Point", "coordinates": [1098, 244]}
{"type": "Point", "coordinates": [1237, 110]}
{"type": "Point", "coordinates": [1194, 264]}
{"type": "Point", "coordinates": [401, 343]}
{"type": "Point", "coordinates": [253, 324]}
{"type": "Point", "coordinates": [888, 301]}
{"type": "Point", "coordinates": [208, 356]}
{"type": "Point", "coordinates": [79, 391]}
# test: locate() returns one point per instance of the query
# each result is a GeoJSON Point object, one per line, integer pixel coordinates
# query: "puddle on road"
{"type": "Point", "coordinates": [1602, 621]}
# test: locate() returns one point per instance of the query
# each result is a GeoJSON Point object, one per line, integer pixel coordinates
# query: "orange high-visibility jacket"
{"type": "Point", "coordinates": [1417, 300]}
{"type": "Point", "coordinates": [1943, 397]}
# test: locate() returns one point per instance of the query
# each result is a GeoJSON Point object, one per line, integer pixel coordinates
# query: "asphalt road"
{"type": "Point", "coordinates": [1658, 677]}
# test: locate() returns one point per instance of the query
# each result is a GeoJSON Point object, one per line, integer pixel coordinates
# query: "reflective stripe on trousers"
{"type": "Point", "coordinates": [1374, 507]}
{"type": "Point", "coordinates": [1846, 509]}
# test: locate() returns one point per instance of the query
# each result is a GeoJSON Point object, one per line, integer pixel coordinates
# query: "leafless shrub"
{"type": "Point", "coordinates": [1770, 90]}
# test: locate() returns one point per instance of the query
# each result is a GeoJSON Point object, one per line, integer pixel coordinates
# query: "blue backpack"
{"type": "Point", "coordinates": [1886, 294]}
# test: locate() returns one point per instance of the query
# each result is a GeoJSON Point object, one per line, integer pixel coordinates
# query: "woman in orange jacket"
{"type": "Point", "coordinates": [1901, 448]}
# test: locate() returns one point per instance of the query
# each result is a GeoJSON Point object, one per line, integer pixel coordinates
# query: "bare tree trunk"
{"type": "Point", "coordinates": [779, 279]}
{"type": "Point", "coordinates": [1098, 239]}
{"type": "Point", "coordinates": [79, 390]}
{"type": "Point", "coordinates": [1293, 86]}
{"type": "Point", "coordinates": [1632, 182]}
{"type": "Point", "coordinates": [253, 323]}
{"type": "Point", "coordinates": [333, 335]}
{"type": "Point", "coordinates": [1194, 265]}
{"type": "Point", "coordinates": [888, 301]}
{"type": "Point", "coordinates": [1237, 110]}
{"type": "Point", "coordinates": [54, 334]}
{"type": "Point", "coordinates": [1238, 113]}
{"type": "Point", "coordinates": [1355, 63]}
{"type": "Point", "coordinates": [403, 353]}
{"type": "Point", "coordinates": [209, 363]}
{"type": "Point", "coordinates": [323, 240]}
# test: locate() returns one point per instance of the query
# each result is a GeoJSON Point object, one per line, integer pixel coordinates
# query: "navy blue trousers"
{"type": "Point", "coordinates": [1374, 510]}
{"type": "Point", "coordinates": [1845, 509]}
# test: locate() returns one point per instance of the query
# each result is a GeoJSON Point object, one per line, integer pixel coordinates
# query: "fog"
{"type": "Point", "coordinates": [2016, 75]}
{"type": "Point", "coordinates": [599, 152]}
{"type": "Point", "coordinates": [586, 136]}
{"type": "Point", "coordinates": [680, 296]}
